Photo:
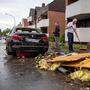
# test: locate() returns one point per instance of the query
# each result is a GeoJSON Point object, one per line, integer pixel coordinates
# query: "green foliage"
{"type": "Point", "coordinates": [62, 38]}
{"type": "Point", "coordinates": [6, 31]}
{"type": "Point", "coordinates": [0, 32]}
{"type": "Point", "coordinates": [78, 46]}
{"type": "Point", "coordinates": [51, 38]}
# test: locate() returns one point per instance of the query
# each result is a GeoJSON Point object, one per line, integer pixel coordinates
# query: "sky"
{"type": "Point", "coordinates": [18, 9]}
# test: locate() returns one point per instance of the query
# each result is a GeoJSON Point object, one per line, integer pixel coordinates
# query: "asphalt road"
{"type": "Point", "coordinates": [18, 74]}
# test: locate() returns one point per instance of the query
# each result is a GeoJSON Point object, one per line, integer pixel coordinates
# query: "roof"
{"type": "Point", "coordinates": [57, 5]}
{"type": "Point", "coordinates": [32, 11]}
{"type": "Point", "coordinates": [42, 10]}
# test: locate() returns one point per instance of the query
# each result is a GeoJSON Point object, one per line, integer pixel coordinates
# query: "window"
{"type": "Point", "coordinates": [44, 29]}
{"type": "Point", "coordinates": [83, 23]}
{"type": "Point", "coordinates": [72, 1]}
{"type": "Point", "coordinates": [44, 16]}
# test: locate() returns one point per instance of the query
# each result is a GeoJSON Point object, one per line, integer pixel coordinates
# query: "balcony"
{"type": "Point", "coordinates": [76, 8]}
{"type": "Point", "coordinates": [83, 33]}
{"type": "Point", "coordinates": [43, 23]}
{"type": "Point", "coordinates": [31, 26]}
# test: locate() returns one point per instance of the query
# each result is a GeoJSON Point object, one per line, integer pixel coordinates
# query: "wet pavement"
{"type": "Point", "coordinates": [19, 74]}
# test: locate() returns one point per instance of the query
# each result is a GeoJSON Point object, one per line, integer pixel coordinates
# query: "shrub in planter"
{"type": "Point", "coordinates": [62, 38]}
{"type": "Point", "coordinates": [51, 38]}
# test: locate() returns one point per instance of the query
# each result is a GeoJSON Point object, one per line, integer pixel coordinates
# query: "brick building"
{"type": "Point", "coordinates": [47, 15]}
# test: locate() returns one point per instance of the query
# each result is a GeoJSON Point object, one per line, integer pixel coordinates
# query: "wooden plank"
{"type": "Point", "coordinates": [67, 59]}
{"type": "Point", "coordinates": [83, 64]}
{"type": "Point", "coordinates": [87, 55]}
{"type": "Point", "coordinates": [72, 58]}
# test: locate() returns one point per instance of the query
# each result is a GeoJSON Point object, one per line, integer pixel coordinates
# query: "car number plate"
{"type": "Point", "coordinates": [32, 40]}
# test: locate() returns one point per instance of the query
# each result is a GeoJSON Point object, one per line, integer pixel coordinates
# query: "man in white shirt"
{"type": "Point", "coordinates": [71, 26]}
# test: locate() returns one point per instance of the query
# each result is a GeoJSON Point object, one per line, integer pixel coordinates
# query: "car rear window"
{"type": "Point", "coordinates": [27, 30]}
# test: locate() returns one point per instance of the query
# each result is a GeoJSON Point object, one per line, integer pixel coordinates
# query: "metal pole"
{"type": "Point", "coordinates": [12, 17]}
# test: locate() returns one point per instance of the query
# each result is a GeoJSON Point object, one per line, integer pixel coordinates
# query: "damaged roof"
{"type": "Point", "coordinates": [56, 5]}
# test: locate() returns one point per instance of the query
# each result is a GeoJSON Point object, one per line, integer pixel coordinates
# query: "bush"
{"type": "Point", "coordinates": [62, 38]}
{"type": "Point", "coordinates": [51, 38]}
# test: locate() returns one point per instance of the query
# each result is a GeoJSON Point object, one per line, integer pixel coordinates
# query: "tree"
{"type": "Point", "coordinates": [6, 31]}
{"type": "Point", "coordinates": [0, 32]}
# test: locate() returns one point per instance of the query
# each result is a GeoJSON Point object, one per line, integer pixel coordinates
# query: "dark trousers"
{"type": "Point", "coordinates": [70, 41]}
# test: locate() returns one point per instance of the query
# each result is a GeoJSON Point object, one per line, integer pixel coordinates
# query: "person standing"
{"type": "Point", "coordinates": [71, 29]}
{"type": "Point", "coordinates": [57, 35]}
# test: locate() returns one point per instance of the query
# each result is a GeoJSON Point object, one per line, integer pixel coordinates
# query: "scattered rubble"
{"type": "Point", "coordinates": [76, 60]}
{"type": "Point", "coordinates": [41, 62]}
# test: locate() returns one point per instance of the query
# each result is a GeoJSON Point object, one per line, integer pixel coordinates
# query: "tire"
{"type": "Point", "coordinates": [7, 51]}
{"type": "Point", "coordinates": [14, 54]}
{"type": "Point", "coordinates": [43, 51]}
{"type": "Point", "coordinates": [10, 53]}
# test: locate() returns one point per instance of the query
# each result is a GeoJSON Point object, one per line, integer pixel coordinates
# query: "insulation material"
{"type": "Point", "coordinates": [83, 75]}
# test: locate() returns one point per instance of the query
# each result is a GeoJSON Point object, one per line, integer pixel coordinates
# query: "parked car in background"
{"type": "Point", "coordinates": [26, 39]}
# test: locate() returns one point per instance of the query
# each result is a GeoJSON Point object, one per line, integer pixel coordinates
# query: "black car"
{"type": "Point", "coordinates": [27, 40]}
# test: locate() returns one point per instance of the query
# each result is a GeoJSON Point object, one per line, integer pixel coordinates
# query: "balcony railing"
{"type": "Point", "coordinates": [43, 23]}
{"type": "Point", "coordinates": [79, 7]}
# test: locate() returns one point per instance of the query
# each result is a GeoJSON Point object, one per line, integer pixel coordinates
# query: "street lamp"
{"type": "Point", "coordinates": [12, 17]}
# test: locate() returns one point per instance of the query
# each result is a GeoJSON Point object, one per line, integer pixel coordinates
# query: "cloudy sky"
{"type": "Point", "coordinates": [18, 9]}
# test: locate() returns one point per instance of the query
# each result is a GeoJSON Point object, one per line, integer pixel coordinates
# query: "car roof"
{"type": "Point", "coordinates": [24, 27]}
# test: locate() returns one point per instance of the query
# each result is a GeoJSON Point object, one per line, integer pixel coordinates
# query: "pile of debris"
{"type": "Point", "coordinates": [75, 60]}
{"type": "Point", "coordinates": [41, 62]}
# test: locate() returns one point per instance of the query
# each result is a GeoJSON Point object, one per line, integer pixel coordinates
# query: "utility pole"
{"type": "Point", "coordinates": [35, 18]}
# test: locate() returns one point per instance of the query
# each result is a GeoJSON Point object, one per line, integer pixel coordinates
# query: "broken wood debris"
{"type": "Point", "coordinates": [76, 60]}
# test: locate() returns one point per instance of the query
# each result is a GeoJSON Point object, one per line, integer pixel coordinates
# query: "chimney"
{"type": "Point", "coordinates": [43, 4]}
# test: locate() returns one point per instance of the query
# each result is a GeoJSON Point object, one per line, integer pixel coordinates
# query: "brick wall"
{"type": "Point", "coordinates": [56, 17]}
